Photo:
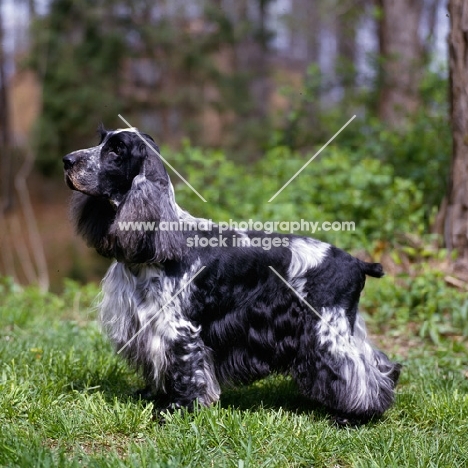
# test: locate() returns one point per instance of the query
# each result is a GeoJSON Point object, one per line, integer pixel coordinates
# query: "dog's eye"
{"type": "Point", "coordinates": [119, 149]}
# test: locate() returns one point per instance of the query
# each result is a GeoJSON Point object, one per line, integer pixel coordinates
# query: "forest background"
{"type": "Point", "coordinates": [239, 95]}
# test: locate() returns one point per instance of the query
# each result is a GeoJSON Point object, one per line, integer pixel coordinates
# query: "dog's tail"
{"type": "Point", "coordinates": [372, 269]}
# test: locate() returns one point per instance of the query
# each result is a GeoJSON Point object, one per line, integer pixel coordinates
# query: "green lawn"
{"type": "Point", "coordinates": [65, 400]}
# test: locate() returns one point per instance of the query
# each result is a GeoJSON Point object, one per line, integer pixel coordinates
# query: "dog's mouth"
{"type": "Point", "coordinates": [69, 182]}
{"type": "Point", "coordinates": [74, 182]}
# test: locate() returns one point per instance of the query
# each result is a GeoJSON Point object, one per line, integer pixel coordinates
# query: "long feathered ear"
{"type": "Point", "coordinates": [93, 218]}
{"type": "Point", "coordinates": [139, 235]}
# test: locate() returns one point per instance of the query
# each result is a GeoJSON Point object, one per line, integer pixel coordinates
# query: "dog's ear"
{"type": "Point", "coordinates": [92, 218]}
{"type": "Point", "coordinates": [153, 168]}
{"type": "Point", "coordinates": [146, 227]}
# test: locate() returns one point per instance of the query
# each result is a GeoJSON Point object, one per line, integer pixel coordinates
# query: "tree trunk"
{"type": "Point", "coordinates": [252, 55]}
{"type": "Point", "coordinates": [32, 9]}
{"type": "Point", "coordinates": [262, 85]}
{"type": "Point", "coordinates": [346, 36]}
{"type": "Point", "coordinates": [402, 55]}
{"type": "Point", "coordinates": [456, 216]}
{"type": "Point", "coordinates": [304, 30]}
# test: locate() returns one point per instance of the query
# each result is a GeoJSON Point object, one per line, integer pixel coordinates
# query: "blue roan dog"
{"type": "Point", "coordinates": [194, 318]}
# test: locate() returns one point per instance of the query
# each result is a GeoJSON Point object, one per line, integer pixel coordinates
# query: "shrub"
{"type": "Point", "coordinates": [339, 185]}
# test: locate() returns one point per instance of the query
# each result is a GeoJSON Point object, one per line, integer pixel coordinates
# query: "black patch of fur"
{"type": "Point", "coordinates": [93, 218]}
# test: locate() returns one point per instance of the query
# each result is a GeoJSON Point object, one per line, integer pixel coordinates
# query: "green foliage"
{"type": "Point", "coordinates": [65, 401]}
{"type": "Point", "coordinates": [79, 59]}
{"type": "Point", "coordinates": [97, 59]}
{"type": "Point", "coordinates": [419, 153]}
{"type": "Point", "coordinates": [303, 124]}
{"type": "Point", "coordinates": [84, 51]}
{"type": "Point", "coordinates": [337, 186]}
{"type": "Point", "coordinates": [423, 152]}
{"type": "Point", "coordinates": [423, 299]}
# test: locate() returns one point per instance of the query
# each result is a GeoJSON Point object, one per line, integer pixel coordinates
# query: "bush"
{"type": "Point", "coordinates": [337, 186]}
{"type": "Point", "coordinates": [420, 151]}
{"type": "Point", "coordinates": [423, 299]}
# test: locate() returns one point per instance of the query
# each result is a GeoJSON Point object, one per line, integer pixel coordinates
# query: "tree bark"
{"type": "Point", "coordinates": [402, 56]}
{"type": "Point", "coordinates": [346, 35]}
{"type": "Point", "coordinates": [456, 217]}
{"type": "Point", "coordinates": [304, 30]}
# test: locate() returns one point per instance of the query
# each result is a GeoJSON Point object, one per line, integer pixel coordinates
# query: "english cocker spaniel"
{"type": "Point", "coordinates": [195, 306]}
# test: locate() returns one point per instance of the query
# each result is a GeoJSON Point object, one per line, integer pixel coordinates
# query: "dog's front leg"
{"type": "Point", "coordinates": [190, 376]}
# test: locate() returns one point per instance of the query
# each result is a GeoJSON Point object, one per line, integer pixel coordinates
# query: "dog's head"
{"type": "Point", "coordinates": [109, 169]}
{"type": "Point", "coordinates": [123, 180]}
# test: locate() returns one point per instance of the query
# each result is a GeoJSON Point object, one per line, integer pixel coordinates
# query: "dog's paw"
{"type": "Point", "coordinates": [165, 413]}
{"type": "Point", "coordinates": [349, 421]}
{"type": "Point", "coordinates": [160, 417]}
{"type": "Point", "coordinates": [146, 393]}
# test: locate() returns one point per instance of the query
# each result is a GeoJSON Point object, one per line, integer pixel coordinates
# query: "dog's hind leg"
{"type": "Point", "coordinates": [341, 370]}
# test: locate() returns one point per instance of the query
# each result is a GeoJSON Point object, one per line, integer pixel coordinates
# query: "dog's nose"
{"type": "Point", "coordinates": [69, 160]}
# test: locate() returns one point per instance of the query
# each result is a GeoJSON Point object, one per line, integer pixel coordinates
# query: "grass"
{"type": "Point", "coordinates": [66, 400]}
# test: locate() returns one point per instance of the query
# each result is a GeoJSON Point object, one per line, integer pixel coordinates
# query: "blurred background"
{"type": "Point", "coordinates": [239, 94]}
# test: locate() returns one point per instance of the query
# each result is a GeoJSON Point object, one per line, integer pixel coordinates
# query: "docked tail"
{"type": "Point", "coordinates": [372, 269]}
